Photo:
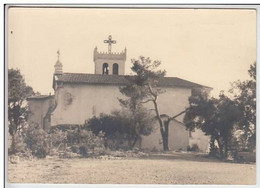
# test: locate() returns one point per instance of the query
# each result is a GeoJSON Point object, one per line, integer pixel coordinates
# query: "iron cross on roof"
{"type": "Point", "coordinates": [109, 41]}
{"type": "Point", "coordinates": [58, 54]}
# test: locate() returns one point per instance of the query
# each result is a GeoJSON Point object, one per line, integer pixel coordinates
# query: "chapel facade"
{"type": "Point", "coordinates": [78, 97]}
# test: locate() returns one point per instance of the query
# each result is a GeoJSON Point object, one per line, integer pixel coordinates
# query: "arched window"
{"type": "Point", "coordinates": [105, 68]}
{"type": "Point", "coordinates": [115, 68]}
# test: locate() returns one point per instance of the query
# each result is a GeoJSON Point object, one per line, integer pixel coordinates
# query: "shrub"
{"type": "Point", "coordinates": [82, 141]}
{"type": "Point", "coordinates": [83, 150]}
{"type": "Point", "coordinates": [122, 129]}
{"type": "Point", "coordinates": [194, 148]}
{"type": "Point", "coordinates": [73, 137]}
{"type": "Point", "coordinates": [37, 141]}
{"type": "Point", "coordinates": [75, 149]}
{"type": "Point", "coordinates": [18, 145]}
{"type": "Point", "coordinates": [57, 138]}
{"type": "Point", "coordinates": [89, 141]}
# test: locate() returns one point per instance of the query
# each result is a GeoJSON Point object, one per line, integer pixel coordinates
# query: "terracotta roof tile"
{"type": "Point", "coordinates": [120, 80]}
{"type": "Point", "coordinates": [39, 97]}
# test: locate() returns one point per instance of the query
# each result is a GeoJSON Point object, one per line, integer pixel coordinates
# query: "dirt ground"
{"type": "Point", "coordinates": [167, 168]}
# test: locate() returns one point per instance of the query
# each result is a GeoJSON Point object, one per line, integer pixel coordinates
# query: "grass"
{"type": "Point", "coordinates": [164, 168]}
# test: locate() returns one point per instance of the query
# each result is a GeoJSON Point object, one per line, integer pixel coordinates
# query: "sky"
{"type": "Point", "coordinates": [212, 47]}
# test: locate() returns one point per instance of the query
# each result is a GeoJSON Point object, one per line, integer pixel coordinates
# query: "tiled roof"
{"type": "Point", "coordinates": [38, 97]}
{"type": "Point", "coordinates": [120, 80]}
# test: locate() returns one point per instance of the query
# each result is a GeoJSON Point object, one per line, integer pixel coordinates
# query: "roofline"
{"type": "Point", "coordinates": [123, 84]}
{"type": "Point", "coordinates": [39, 98]}
{"type": "Point", "coordinates": [119, 84]}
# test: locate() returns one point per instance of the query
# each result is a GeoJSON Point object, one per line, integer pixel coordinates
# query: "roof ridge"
{"type": "Point", "coordinates": [122, 79]}
{"type": "Point", "coordinates": [95, 74]}
{"type": "Point", "coordinates": [115, 75]}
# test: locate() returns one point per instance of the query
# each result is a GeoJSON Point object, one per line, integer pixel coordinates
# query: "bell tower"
{"type": "Point", "coordinates": [58, 65]}
{"type": "Point", "coordinates": [109, 63]}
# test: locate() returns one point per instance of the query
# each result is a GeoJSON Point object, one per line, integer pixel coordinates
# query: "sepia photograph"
{"type": "Point", "coordinates": [130, 95]}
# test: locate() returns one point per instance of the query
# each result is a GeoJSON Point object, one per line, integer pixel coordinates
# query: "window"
{"type": "Point", "coordinates": [115, 68]}
{"type": "Point", "coordinates": [105, 68]}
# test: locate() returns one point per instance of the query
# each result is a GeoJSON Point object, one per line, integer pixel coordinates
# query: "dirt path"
{"type": "Point", "coordinates": [156, 169]}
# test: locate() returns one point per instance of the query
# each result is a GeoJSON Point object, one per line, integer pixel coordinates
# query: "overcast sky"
{"type": "Point", "coordinates": [206, 46]}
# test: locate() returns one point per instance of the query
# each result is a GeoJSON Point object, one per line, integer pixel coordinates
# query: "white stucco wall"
{"type": "Point", "coordinates": [178, 138]}
{"type": "Point", "coordinates": [78, 102]}
{"type": "Point", "coordinates": [172, 101]}
{"type": "Point", "coordinates": [198, 137]}
{"type": "Point", "coordinates": [38, 109]}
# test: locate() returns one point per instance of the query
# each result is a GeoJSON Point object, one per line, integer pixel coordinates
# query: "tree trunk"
{"type": "Point", "coordinates": [226, 143]}
{"type": "Point", "coordinates": [162, 128]}
{"type": "Point", "coordinates": [135, 140]}
{"type": "Point", "coordinates": [165, 144]}
{"type": "Point", "coordinates": [226, 151]}
{"type": "Point", "coordinates": [220, 145]}
{"type": "Point", "coordinates": [165, 136]}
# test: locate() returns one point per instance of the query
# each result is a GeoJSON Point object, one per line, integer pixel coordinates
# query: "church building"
{"type": "Point", "coordinates": [78, 97]}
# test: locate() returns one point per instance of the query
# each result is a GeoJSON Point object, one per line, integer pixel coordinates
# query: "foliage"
{"type": "Point", "coordinates": [222, 117]}
{"type": "Point", "coordinates": [72, 136]}
{"type": "Point", "coordinates": [143, 88]}
{"type": "Point", "coordinates": [18, 91]}
{"type": "Point", "coordinates": [41, 143]}
{"type": "Point", "coordinates": [114, 128]}
{"type": "Point", "coordinates": [81, 141]}
{"type": "Point", "coordinates": [215, 117]}
{"type": "Point", "coordinates": [108, 124]}
{"type": "Point", "coordinates": [138, 122]}
{"type": "Point", "coordinates": [56, 138]}
{"type": "Point", "coordinates": [18, 145]}
{"type": "Point", "coordinates": [194, 148]}
{"type": "Point", "coordinates": [122, 125]}
{"type": "Point", "coordinates": [89, 141]}
{"type": "Point", "coordinates": [37, 140]}
{"type": "Point", "coordinates": [245, 97]}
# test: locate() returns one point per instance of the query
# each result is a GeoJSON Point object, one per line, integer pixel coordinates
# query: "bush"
{"type": "Point", "coordinates": [89, 141]}
{"type": "Point", "coordinates": [18, 145]}
{"type": "Point", "coordinates": [75, 149]}
{"type": "Point", "coordinates": [83, 150]}
{"type": "Point", "coordinates": [194, 148]}
{"type": "Point", "coordinates": [55, 142]}
{"type": "Point", "coordinates": [37, 141]}
{"type": "Point", "coordinates": [73, 137]}
{"type": "Point", "coordinates": [122, 129]}
{"type": "Point", "coordinates": [82, 141]}
{"type": "Point", "coordinates": [57, 138]}
{"type": "Point", "coordinates": [118, 141]}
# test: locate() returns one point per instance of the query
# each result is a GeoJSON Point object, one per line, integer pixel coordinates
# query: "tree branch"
{"type": "Point", "coordinates": [177, 115]}
{"type": "Point", "coordinates": [151, 91]}
{"type": "Point", "coordinates": [149, 100]}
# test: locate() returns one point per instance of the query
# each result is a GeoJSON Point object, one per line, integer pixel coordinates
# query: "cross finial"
{"type": "Point", "coordinates": [58, 54]}
{"type": "Point", "coordinates": [109, 41]}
